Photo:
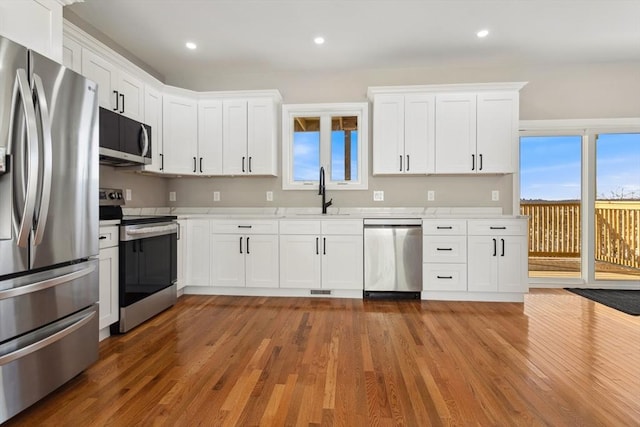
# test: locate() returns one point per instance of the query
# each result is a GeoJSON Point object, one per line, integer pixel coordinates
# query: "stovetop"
{"type": "Point", "coordinates": [111, 202]}
{"type": "Point", "coordinates": [146, 219]}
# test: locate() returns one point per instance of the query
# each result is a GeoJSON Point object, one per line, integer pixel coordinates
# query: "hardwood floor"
{"type": "Point", "coordinates": [558, 359]}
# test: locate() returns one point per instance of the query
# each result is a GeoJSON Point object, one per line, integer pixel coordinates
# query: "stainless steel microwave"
{"type": "Point", "coordinates": [123, 141]}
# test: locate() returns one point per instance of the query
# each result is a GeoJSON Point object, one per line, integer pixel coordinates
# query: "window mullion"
{"type": "Point", "coordinates": [325, 145]}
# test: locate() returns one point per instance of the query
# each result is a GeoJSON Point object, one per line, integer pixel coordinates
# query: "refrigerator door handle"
{"type": "Point", "coordinates": [25, 351]}
{"type": "Point", "coordinates": [145, 147]}
{"type": "Point", "coordinates": [45, 194]}
{"type": "Point", "coordinates": [26, 222]}
{"type": "Point", "coordinates": [45, 284]}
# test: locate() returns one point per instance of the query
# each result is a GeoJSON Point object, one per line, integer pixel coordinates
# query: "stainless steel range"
{"type": "Point", "coordinates": [148, 262]}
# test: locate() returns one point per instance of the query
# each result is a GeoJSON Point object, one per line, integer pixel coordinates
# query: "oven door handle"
{"type": "Point", "coordinates": [148, 231]}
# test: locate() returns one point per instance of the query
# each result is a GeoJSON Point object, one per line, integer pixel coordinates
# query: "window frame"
{"type": "Point", "coordinates": [291, 111]}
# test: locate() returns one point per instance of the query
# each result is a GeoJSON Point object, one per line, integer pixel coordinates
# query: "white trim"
{"type": "Point", "coordinates": [463, 87]}
{"type": "Point", "coordinates": [290, 111]}
{"type": "Point", "coordinates": [579, 125]}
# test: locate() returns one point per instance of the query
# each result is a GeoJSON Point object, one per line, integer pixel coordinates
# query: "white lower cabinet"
{"type": "Point", "coordinates": [181, 255]}
{"type": "Point", "coordinates": [444, 252]}
{"type": "Point", "coordinates": [197, 253]}
{"type": "Point", "coordinates": [325, 254]}
{"type": "Point", "coordinates": [242, 256]}
{"type": "Point", "coordinates": [498, 253]}
{"type": "Point", "coordinates": [108, 277]}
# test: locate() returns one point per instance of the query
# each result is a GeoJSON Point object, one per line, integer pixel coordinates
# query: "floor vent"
{"type": "Point", "coordinates": [320, 292]}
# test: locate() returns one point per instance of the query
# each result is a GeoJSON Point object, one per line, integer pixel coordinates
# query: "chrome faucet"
{"type": "Point", "coordinates": [322, 192]}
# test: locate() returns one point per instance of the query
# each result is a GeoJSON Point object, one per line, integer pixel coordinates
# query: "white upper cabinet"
{"type": "Point", "coordinates": [153, 118]}
{"type": "Point", "coordinates": [36, 24]}
{"type": "Point", "coordinates": [72, 54]}
{"type": "Point", "coordinates": [180, 135]}
{"type": "Point", "coordinates": [249, 136]}
{"type": "Point", "coordinates": [403, 133]}
{"type": "Point", "coordinates": [445, 129]}
{"type": "Point", "coordinates": [118, 90]}
{"type": "Point", "coordinates": [210, 137]}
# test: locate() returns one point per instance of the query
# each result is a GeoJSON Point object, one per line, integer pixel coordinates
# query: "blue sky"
{"type": "Point", "coordinates": [306, 156]}
{"type": "Point", "coordinates": [550, 166]}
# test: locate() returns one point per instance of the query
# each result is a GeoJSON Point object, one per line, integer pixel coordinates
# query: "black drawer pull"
{"type": "Point", "coordinates": [444, 249]}
{"type": "Point", "coordinates": [103, 237]}
{"type": "Point", "coordinates": [444, 277]}
{"type": "Point", "coordinates": [497, 228]}
{"type": "Point", "coordinates": [444, 228]}
{"type": "Point", "coordinates": [244, 226]}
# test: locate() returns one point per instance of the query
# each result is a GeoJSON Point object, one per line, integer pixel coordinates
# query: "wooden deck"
{"type": "Point", "coordinates": [557, 359]}
{"type": "Point", "coordinates": [551, 267]}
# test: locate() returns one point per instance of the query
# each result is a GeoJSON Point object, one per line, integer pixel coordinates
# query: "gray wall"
{"type": "Point", "coordinates": [569, 91]}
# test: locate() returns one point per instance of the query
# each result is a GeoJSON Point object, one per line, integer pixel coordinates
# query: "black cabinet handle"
{"type": "Point", "coordinates": [324, 246]}
{"type": "Point", "coordinates": [102, 238]}
{"type": "Point", "coordinates": [161, 161]}
{"type": "Point", "coordinates": [473, 162]}
{"type": "Point", "coordinates": [242, 163]}
{"type": "Point", "coordinates": [250, 164]}
{"type": "Point", "coordinates": [495, 249]}
{"type": "Point", "coordinates": [200, 164]}
{"type": "Point", "coordinates": [497, 228]}
{"type": "Point", "coordinates": [194, 165]}
{"type": "Point", "coordinates": [240, 244]}
{"type": "Point", "coordinates": [444, 249]}
{"type": "Point", "coordinates": [317, 245]}
{"type": "Point", "coordinates": [117, 101]}
{"type": "Point", "coordinates": [245, 226]}
{"type": "Point", "coordinates": [480, 168]}
{"type": "Point", "coordinates": [445, 277]}
{"type": "Point", "coordinates": [248, 246]}
{"type": "Point", "coordinates": [122, 107]}
{"type": "Point", "coordinates": [444, 228]}
{"type": "Point", "coordinates": [407, 163]}
{"type": "Point", "coordinates": [502, 254]}
{"type": "Point", "coordinates": [400, 163]}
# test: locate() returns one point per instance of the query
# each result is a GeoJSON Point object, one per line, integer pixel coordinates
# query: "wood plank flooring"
{"type": "Point", "coordinates": [558, 359]}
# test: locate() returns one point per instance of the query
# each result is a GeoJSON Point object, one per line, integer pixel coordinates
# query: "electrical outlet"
{"type": "Point", "coordinates": [378, 196]}
{"type": "Point", "coordinates": [127, 193]}
{"type": "Point", "coordinates": [495, 195]}
{"type": "Point", "coordinates": [172, 196]}
{"type": "Point", "coordinates": [269, 196]}
{"type": "Point", "coordinates": [216, 196]}
{"type": "Point", "coordinates": [431, 195]}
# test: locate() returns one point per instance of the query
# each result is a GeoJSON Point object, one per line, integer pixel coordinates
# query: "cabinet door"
{"type": "Point", "coordinates": [497, 129]}
{"type": "Point", "coordinates": [104, 73]}
{"type": "Point", "coordinates": [456, 133]}
{"type": "Point", "coordinates": [512, 276]}
{"type": "Point", "coordinates": [419, 133]}
{"type": "Point", "coordinates": [131, 96]}
{"type": "Point", "coordinates": [388, 134]}
{"type": "Point", "coordinates": [482, 264]}
{"type": "Point", "coordinates": [210, 137]}
{"type": "Point", "coordinates": [34, 24]}
{"type": "Point", "coordinates": [227, 259]}
{"type": "Point", "coordinates": [197, 254]}
{"type": "Point", "coordinates": [72, 55]}
{"type": "Point", "coordinates": [300, 261]}
{"type": "Point", "coordinates": [108, 301]}
{"type": "Point", "coordinates": [153, 118]}
{"type": "Point", "coordinates": [234, 134]}
{"type": "Point", "coordinates": [261, 261]}
{"type": "Point", "coordinates": [342, 262]}
{"type": "Point", "coordinates": [261, 140]}
{"type": "Point", "coordinates": [180, 134]}
{"type": "Point", "coordinates": [181, 255]}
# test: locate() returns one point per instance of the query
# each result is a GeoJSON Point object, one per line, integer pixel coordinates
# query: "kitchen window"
{"type": "Point", "coordinates": [331, 135]}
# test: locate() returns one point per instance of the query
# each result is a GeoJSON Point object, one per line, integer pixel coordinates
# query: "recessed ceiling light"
{"type": "Point", "coordinates": [482, 34]}
{"type": "Point", "coordinates": [318, 40]}
{"type": "Point", "coordinates": [190, 45]}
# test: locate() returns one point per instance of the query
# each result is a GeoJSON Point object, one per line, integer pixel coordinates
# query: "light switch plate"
{"type": "Point", "coordinates": [216, 196]}
{"type": "Point", "coordinates": [378, 196]}
{"type": "Point", "coordinates": [495, 195]}
{"type": "Point", "coordinates": [269, 196]}
{"type": "Point", "coordinates": [431, 195]}
{"type": "Point", "coordinates": [127, 193]}
{"type": "Point", "coordinates": [172, 196]}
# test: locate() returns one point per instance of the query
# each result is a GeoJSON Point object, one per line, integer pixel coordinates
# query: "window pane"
{"type": "Point", "coordinates": [617, 207]}
{"type": "Point", "coordinates": [550, 193]}
{"type": "Point", "coordinates": [344, 148]}
{"type": "Point", "coordinates": [306, 148]}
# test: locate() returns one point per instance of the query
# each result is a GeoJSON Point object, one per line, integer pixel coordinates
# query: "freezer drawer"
{"type": "Point", "coordinates": [39, 362]}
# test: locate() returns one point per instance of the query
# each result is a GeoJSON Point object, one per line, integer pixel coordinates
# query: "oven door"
{"type": "Point", "coordinates": [147, 265]}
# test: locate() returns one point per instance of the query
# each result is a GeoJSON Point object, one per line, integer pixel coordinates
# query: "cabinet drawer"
{"type": "Point", "coordinates": [293, 226]}
{"type": "Point", "coordinates": [457, 227]}
{"type": "Point", "coordinates": [342, 226]}
{"type": "Point", "coordinates": [443, 249]}
{"type": "Point", "coordinates": [108, 236]}
{"type": "Point", "coordinates": [444, 277]}
{"type": "Point", "coordinates": [245, 226]}
{"type": "Point", "coordinates": [502, 227]}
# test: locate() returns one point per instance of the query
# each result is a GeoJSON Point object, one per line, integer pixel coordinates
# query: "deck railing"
{"type": "Point", "coordinates": [555, 230]}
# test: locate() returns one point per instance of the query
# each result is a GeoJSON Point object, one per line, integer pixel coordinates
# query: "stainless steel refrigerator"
{"type": "Point", "coordinates": [48, 226]}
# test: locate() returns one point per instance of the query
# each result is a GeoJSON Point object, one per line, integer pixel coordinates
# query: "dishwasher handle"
{"type": "Point", "coordinates": [392, 222]}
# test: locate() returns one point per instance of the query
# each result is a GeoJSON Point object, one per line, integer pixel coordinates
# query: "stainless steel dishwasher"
{"type": "Point", "coordinates": [392, 257]}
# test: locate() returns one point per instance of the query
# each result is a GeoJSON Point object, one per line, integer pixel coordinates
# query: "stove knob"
{"type": "Point", "coordinates": [119, 196]}
{"type": "Point", "coordinates": [113, 196]}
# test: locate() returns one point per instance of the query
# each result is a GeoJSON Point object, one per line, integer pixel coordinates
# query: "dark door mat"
{"type": "Point", "coordinates": [627, 301]}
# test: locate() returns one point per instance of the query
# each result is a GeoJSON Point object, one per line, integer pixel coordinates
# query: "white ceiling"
{"type": "Point", "coordinates": [276, 35]}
